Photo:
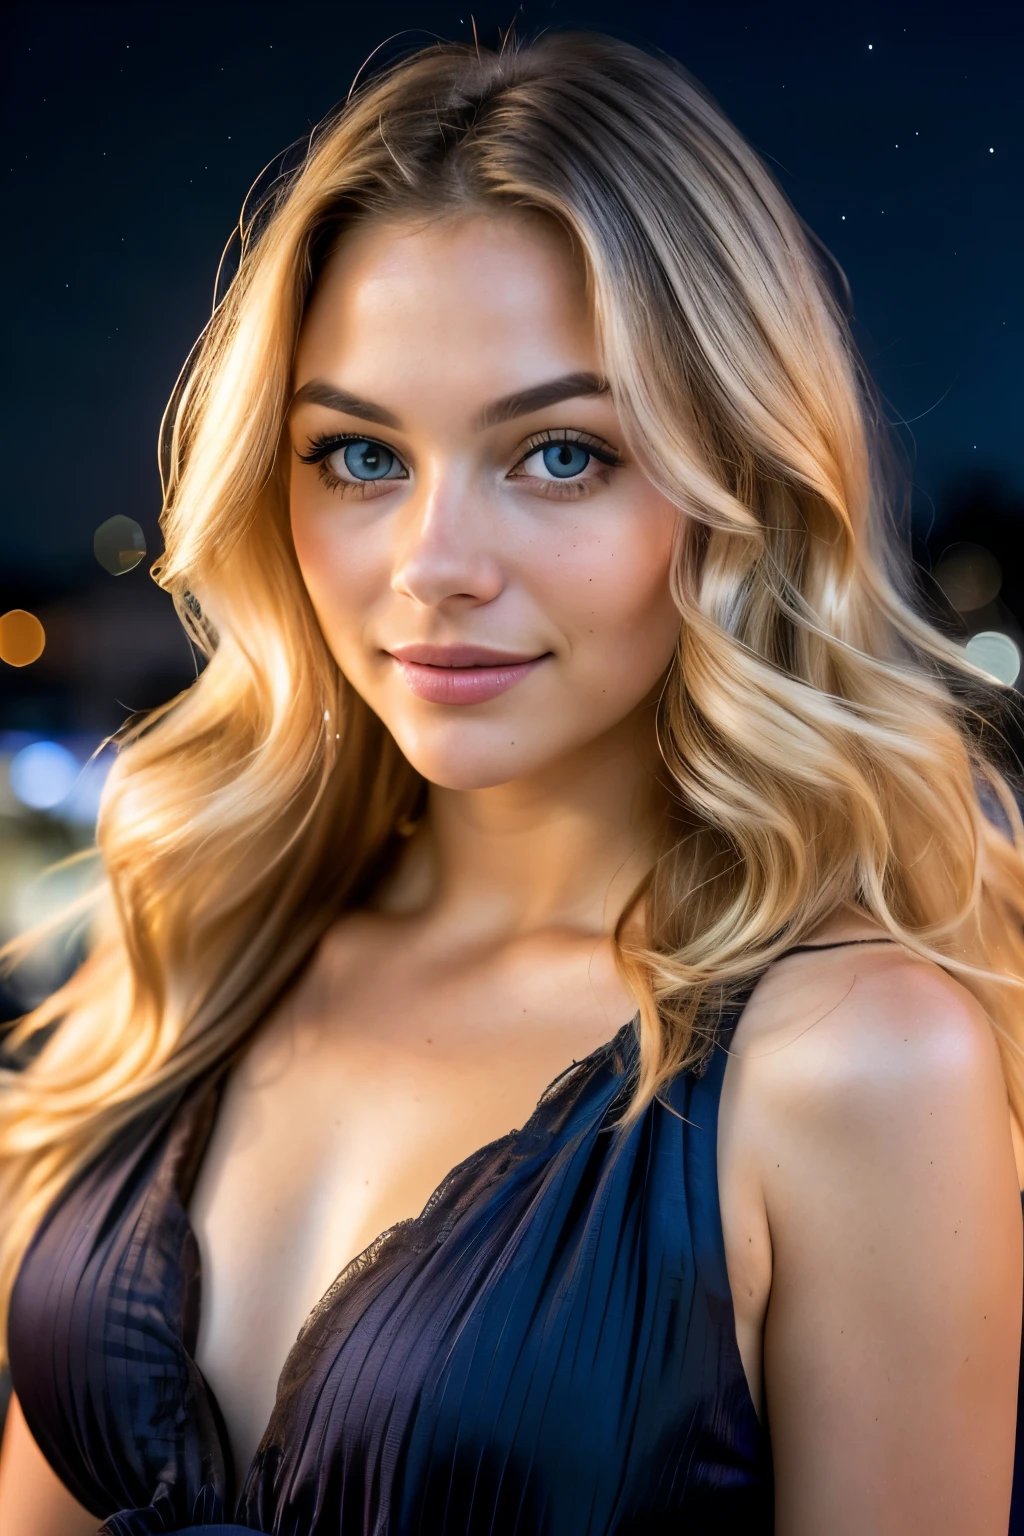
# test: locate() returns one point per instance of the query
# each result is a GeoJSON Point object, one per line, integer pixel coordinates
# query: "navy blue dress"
{"type": "Point", "coordinates": [549, 1349]}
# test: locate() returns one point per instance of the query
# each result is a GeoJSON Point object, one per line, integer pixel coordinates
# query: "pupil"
{"type": "Point", "coordinates": [565, 459]}
{"type": "Point", "coordinates": [368, 461]}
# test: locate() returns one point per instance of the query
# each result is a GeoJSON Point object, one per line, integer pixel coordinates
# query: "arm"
{"type": "Point", "coordinates": [893, 1326]}
{"type": "Point", "coordinates": [33, 1500]}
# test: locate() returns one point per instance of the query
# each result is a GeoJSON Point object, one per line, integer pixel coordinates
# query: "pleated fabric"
{"type": "Point", "coordinates": [549, 1349]}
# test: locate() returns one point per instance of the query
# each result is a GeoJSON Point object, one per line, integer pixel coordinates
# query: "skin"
{"type": "Point", "coordinates": [867, 1181]}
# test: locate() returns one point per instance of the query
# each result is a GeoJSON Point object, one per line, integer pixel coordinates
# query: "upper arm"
{"type": "Point", "coordinates": [892, 1332]}
{"type": "Point", "coordinates": [33, 1500]}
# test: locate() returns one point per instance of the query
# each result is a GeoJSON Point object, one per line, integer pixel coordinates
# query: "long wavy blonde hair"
{"type": "Point", "coordinates": [817, 732]}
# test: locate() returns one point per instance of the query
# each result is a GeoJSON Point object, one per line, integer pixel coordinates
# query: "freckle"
{"type": "Point", "coordinates": [366, 1181]}
{"type": "Point", "coordinates": [429, 1041]}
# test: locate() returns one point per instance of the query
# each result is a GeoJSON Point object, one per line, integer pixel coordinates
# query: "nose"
{"type": "Point", "coordinates": [444, 550]}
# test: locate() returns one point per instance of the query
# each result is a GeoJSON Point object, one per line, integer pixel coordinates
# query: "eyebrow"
{"type": "Point", "coordinates": [572, 386]}
{"type": "Point", "coordinates": [319, 392]}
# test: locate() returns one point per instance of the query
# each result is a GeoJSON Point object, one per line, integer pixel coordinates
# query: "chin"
{"type": "Point", "coordinates": [462, 759]}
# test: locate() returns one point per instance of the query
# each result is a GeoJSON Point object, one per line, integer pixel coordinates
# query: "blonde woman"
{"type": "Point", "coordinates": [549, 1059]}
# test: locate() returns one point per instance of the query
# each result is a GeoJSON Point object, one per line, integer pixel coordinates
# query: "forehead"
{"type": "Point", "coordinates": [493, 296]}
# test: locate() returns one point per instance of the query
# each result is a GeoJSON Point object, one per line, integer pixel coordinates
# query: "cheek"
{"type": "Point", "coordinates": [609, 583]}
{"type": "Point", "coordinates": [343, 560]}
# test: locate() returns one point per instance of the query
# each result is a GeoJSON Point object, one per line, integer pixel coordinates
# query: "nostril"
{"type": "Point", "coordinates": [433, 576]}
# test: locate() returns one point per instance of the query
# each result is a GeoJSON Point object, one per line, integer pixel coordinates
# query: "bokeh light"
{"type": "Point", "coordinates": [37, 841]}
{"type": "Point", "coordinates": [969, 576]}
{"type": "Point", "coordinates": [996, 654]}
{"type": "Point", "coordinates": [81, 805]}
{"type": "Point", "coordinates": [43, 774]}
{"type": "Point", "coordinates": [22, 638]}
{"type": "Point", "coordinates": [119, 544]}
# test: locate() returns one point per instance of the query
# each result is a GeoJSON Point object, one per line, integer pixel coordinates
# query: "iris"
{"type": "Point", "coordinates": [368, 460]}
{"type": "Point", "coordinates": [565, 459]}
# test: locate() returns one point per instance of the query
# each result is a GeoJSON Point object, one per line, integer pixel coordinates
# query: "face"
{"type": "Point", "coordinates": [489, 568]}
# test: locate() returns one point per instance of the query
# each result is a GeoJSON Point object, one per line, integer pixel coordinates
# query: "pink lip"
{"type": "Point", "coordinates": [460, 674]}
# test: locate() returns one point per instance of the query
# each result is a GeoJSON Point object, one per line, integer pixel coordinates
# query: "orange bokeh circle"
{"type": "Point", "coordinates": [22, 638]}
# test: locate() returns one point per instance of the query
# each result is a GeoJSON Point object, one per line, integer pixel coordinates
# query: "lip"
{"type": "Point", "coordinates": [461, 674]}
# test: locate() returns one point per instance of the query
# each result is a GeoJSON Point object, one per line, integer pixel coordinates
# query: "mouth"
{"type": "Point", "coordinates": [461, 674]}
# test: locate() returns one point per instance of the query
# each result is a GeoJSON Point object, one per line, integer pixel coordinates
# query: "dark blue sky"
{"type": "Point", "coordinates": [132, 132]}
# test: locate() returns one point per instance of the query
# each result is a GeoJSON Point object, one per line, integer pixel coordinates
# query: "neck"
{"type": "Point", "coordinates": [564, 847]}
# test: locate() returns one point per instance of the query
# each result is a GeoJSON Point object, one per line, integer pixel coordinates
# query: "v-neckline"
{"type": "Point", "coordinates": [353, 1269]}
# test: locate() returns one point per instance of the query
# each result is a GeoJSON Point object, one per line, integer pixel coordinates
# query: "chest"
{"type": "Point", "coordinates": [348, 1111]}
{"type": "Point", "coordinates": [550, 1341]}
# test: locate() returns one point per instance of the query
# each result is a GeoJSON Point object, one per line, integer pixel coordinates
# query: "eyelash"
{"type": "Point", "coordinates": [319, 450]}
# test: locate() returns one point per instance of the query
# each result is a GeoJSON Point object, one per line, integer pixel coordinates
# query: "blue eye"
{"type": "Point", "coordinates": [563, 460]}
{"type": "Point", "coordinates": [366, 460]}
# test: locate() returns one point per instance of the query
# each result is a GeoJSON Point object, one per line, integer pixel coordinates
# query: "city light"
{"type": "Point", "coordinates": [43, 774]}
{"type": "Point", "coordinates": [995, 653]}
{"type": "Point", "coordinates": [970, 576]}
{"type": "Point", "coordinates": [119, 544]}
{"type": "Point", "coordinates": [22, 638]}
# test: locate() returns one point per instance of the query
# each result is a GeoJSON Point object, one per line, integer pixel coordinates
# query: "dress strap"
{"type": "Point", "coordinates": [739, 1001]}
{"type": "Point", "coordinates": [803, 949]}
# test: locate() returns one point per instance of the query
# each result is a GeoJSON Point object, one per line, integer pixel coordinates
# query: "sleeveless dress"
{"type": "Point", "coordinates": [549, 1349]}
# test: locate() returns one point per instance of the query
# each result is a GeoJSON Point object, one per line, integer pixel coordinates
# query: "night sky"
{"type": "Point", "coordinates": [132, 133]}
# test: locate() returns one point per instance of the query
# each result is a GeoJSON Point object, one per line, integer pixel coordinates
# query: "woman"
{"type": "Point", "coordinates": [567, 720]}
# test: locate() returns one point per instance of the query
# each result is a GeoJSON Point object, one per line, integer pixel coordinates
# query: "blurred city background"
{"type": "Point", "coordinates": [132, 135]}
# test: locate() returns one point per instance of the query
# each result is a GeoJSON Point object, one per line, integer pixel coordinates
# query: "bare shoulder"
{"type": "Point", "coordinates": [867, 1029]}
{"type": "Point", "coordinates": [860, 1079]}
{"type": "Point", "coordinates": [867, 1139]}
